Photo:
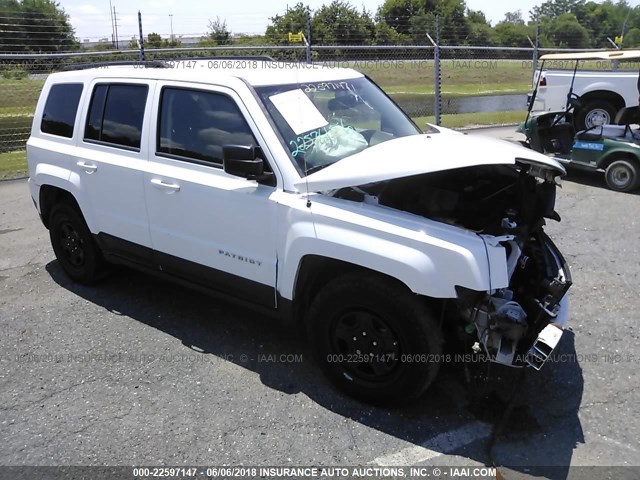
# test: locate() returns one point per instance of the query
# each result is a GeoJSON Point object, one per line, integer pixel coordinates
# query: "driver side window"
{"type": "Point", "coordinates": [195, 124]}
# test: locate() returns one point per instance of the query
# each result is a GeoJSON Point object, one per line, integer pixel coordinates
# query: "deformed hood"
{"type": "Point", "coordinates": [419, 154]}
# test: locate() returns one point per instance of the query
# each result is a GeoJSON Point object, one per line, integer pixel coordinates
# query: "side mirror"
{"type": "Point", "coordinates": [242, 161]}
{"type": "Point", "coordinates": [245, 161]}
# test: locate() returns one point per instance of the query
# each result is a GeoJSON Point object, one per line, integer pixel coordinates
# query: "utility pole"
{"type": "Point", "coordinates": [171, 20]}
{"type": "Point", "coordinates": [141, 37]}
{"type": "Point", "coordinates": [115, 24]}
{"type": "Point", "coordinates": [113, 35]}
{"type": "Point", "coordinates": [437, 108]}
{"type": "Point", "coordinates": [308, 39]}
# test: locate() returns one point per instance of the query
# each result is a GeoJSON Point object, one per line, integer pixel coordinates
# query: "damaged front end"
{"type": "Point", "coordinates": [522, 324]}
{"type": "Point", "coordinates": [506, 206]}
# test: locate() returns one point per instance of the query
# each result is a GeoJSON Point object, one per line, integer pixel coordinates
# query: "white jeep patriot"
{"type": "Point", "coordinates": [306, 192]}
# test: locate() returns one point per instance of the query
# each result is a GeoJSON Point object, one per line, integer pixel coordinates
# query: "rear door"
{"type": "Point", "coordinates": [111, 159]}
{"type": "Point", "coordinates": [207, 226]}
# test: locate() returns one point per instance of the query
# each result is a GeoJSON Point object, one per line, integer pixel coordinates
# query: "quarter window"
{"type": "Point", "coordinates": [61, 108]}
{"type": "Point", "coordinates": [116, 114]}
{"type": "Point", "coordinates": [196, 124]}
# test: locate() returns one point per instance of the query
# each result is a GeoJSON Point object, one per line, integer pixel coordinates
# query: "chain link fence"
{"type": "Point", "coordinates": [452, 85]}
{"type": "Point", "coordinates": [23, 75]}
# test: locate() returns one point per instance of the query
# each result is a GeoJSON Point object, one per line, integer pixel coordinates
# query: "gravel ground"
{"type": "Point", "coordinates": [139, 371]}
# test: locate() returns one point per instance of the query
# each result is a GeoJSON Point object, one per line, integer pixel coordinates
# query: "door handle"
{"type": "Point", "coordinates": [162, 185]}
{"type": "Point", "coordinates": [87, 167]}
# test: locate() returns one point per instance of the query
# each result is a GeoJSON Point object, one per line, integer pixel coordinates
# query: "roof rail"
{"type": "Point", "coordinates": [162, 63]}
{"type": "Point", "coordinates": [141, 64]}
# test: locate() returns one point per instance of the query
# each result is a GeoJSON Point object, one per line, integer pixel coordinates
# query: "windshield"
{"type": "Point", "coordinates": [322, 123]}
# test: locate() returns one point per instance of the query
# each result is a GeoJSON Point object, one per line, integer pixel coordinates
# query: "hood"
{"type": "Point", "coordinates": [418, 154]}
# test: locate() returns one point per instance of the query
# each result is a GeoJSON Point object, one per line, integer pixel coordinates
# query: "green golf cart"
{"type": "Point", "coordinates": [613, 149]}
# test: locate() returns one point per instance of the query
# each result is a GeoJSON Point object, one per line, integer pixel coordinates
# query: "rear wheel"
{"type": "Point", "coordinates": [622, 176]}
{"type": "Point", "coordinates": [374, 339]}
{"type": "Point", "coordinates": [74, 246]}
{"type": "Point", "coordinates": [593, 114]}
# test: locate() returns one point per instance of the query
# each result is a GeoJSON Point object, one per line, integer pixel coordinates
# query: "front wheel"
{"type": "Point", "coordinates": [74, 246]}
{"type": "Point", "coordinates": [374, 339]}
{"type": "Point", "coordinates": [622, 176]}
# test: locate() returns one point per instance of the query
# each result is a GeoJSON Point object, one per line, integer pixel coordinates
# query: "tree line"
{"type": "Point", "coordinates": [43, 26]}
{"type": "Point", "coordinates": [555, 23]}
{"type": "Point", "coordinates": [35, 26]}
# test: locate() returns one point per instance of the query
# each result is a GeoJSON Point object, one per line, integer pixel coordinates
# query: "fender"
{"type": "Point", "coordinates": [427, 264]}
{"type": "Point", "coordinates": [50, 175]}
{"type": "Point", "coordinates": [48, 166]}
{"type": "Point", "coordinates": [610, 87]}
{"type": "Point", "coordinates": [627, 149]}
{"type": "Point", "coordinates": [47, 174]}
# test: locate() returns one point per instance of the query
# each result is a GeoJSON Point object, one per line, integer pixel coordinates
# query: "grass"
{"type": "Point", "coordinates": [475, 119]}
{"type": "Point", "coordinates": [16, 111]}
{"type": "Point", "coordinates": [19, 95]}
{"type": "Point", "coordinates": [459, 90]}
{"type": "Point", "coordinates": [468, 77]}
{"type": "Point", "coordinates": [14, 132]}
{"type": "Point", "coordinates": [458, 77]}
{"type": "Point", "coordinates": [13, 164]}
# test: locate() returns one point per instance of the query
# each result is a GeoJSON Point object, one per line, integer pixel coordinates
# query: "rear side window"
{"type": "Point", "coordinates": [61, 108]}
{"type": "Point", "coordinates": [116, 114]}
{"type": "Point", "coordinates": [196, 124]}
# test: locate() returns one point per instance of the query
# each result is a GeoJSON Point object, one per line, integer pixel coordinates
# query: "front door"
{"type": "Point", "coordinates": [207, 226]}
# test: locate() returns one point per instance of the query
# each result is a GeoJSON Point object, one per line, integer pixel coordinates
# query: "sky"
{"type": "Point", "coordinates": [91, 19]}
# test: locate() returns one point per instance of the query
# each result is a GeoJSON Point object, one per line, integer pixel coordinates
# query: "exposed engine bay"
{"type": "Point", "coordinates": [506, 205]}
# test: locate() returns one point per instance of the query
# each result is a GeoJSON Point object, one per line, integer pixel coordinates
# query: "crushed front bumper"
{"type": "Point", "coordinates": [523, 330]}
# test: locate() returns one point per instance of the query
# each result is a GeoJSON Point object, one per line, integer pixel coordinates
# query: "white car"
{"type": "Point", "coordinates": [306, 193]}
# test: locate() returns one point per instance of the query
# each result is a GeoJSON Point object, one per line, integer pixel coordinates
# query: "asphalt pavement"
{"type": "Point", "coordinates": [140, 371]}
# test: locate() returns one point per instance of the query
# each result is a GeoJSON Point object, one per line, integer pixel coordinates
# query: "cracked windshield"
{"type": "Point", "coordinates": [324, 122]}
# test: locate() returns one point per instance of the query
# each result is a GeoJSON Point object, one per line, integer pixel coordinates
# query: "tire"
{"type": "Point", "coordinates": [622, 176]}
{"type": "Point", "coordinates": [595, 112]}
{"type": "Point", "coordinates": [354, 316]}
{"type": "Point", "coordinates": [74, 246]}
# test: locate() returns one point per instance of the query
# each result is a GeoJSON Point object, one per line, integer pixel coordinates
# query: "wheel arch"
{"type": "Point", "coordinates": [618, 155]}
{"type": "Point", "coordinates": [50, 195]}
{"type": "Point", "coordinates": [316, 271]}
{"type": "Point", "coordinates": [430, 266]}
{"type": "Point", "coordinates": [604, 95]}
